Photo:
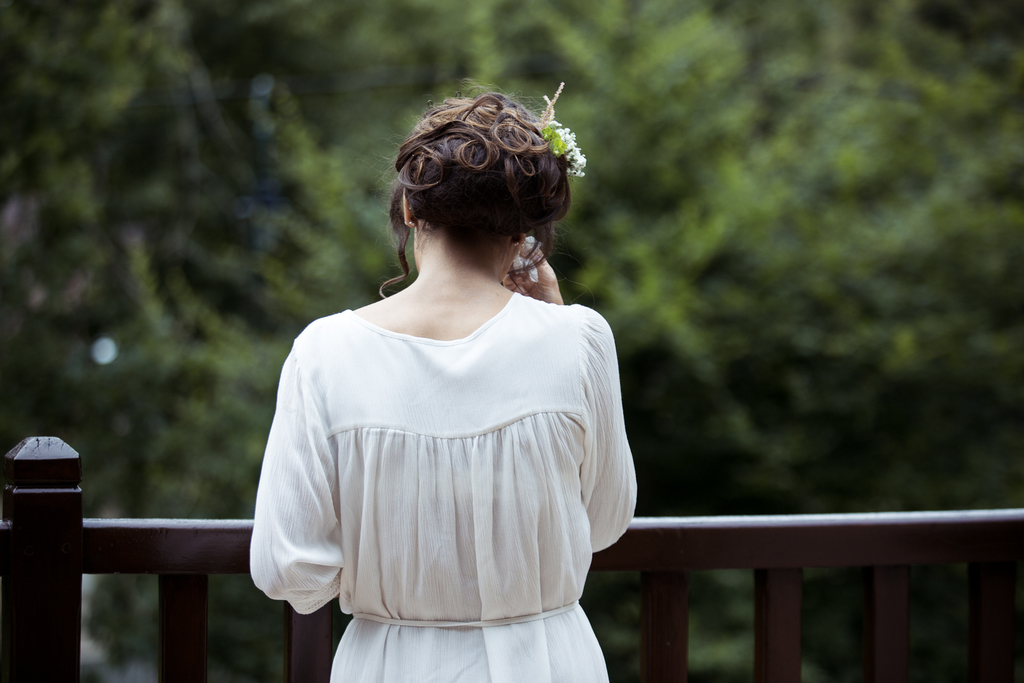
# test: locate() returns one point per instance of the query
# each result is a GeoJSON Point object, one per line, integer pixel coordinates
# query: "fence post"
{"type": "Point", "coordinates": [183, 627]}
{"type": "Point", "coordinates": [886, 648]}
{"type": "Point", "coordinates": [42, 597]}
{"type": "Point", "coordinates": [664, 626]}
{"type": "Point", "coordinates": [307, 645]}
{"type": "Point", "coordinates": [777, 600]}
{"type": "Point", "coordinates": [990, 653]}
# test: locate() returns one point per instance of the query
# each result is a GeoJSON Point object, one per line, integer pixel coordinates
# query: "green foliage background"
{"type": "Point", "coordinates": [803, 220]}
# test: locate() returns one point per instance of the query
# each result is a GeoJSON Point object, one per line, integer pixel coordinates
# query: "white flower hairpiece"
{"type": "Point", "coordinates": [560, 139]}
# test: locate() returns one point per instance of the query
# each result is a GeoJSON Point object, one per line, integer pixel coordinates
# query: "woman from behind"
{"type": "Point", "coordinates": [445, 461]}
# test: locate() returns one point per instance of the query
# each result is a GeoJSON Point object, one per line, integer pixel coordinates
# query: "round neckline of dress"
{"type": "Point", "coordinates": [428, 340]}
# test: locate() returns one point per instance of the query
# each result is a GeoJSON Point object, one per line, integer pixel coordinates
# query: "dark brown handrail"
{"type": "Point", "coordinates": [665, 544]}
{"type": "Point", "coordinates": [843, 540]}
{"type": "Point", "coordinates": [167, 546]}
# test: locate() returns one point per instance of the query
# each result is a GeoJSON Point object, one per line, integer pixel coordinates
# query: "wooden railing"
{"type": "Point", "coordinates": [46, 546]}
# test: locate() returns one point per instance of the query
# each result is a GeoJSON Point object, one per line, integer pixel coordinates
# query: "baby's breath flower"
{"type": "Point", "coordinates": [563, 141]}
{"type": "Point", "coordinates": [560, 139]}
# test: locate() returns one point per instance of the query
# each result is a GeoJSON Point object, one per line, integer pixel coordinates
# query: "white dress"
{"type": "Point", "coordinates": [457, 481]}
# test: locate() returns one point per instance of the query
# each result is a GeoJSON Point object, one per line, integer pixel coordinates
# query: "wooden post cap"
{"type": "Point", "coordinates": [42, 460]}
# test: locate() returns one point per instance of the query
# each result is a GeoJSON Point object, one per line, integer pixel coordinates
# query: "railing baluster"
{"type": "Point", "coordinates": [307, 645]}
{"type": "Point", "coordinates": [664, 626]}
{"type": "Point", "coordinates": [777, 602]}
{"type": "Point", "coordinates": [990, 655]}
{"type": "Point", "coordinates": [886, 624]}
{"type": "Point", "coordinates": [183, 606]}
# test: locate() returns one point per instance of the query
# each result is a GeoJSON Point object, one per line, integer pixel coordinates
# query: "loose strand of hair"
{"type": "Point", "coordinates": [402, 261]}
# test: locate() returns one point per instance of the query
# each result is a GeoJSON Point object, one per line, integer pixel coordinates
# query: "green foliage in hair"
{"type": "Point", "coordinates": [558, 146]}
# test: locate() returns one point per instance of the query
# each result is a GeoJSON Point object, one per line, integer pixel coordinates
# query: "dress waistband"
{"type": "Point", "coordinates": [473, 624]}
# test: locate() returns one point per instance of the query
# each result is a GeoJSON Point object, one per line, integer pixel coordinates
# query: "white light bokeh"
{"type": "Point", "coordinates": [104, 350]}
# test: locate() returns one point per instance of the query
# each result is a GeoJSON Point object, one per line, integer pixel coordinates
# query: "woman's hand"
{"type": "Point", "coordinates": [545, 289]}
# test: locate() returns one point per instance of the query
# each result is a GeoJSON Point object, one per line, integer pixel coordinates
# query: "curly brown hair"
{"type": "Point", "coordinates": [478, 164]}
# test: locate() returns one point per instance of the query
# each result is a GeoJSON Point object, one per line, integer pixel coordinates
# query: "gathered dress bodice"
{"type": "Point", "coordinates": [418, 480]}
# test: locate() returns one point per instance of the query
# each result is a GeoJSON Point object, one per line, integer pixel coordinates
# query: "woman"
{"type": "Point", "coordinates": [446, 460]}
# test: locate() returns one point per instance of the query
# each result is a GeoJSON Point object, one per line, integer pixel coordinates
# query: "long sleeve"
{"type": "Point", "coordinates": [607, 475]}
{"type": "Point", "coordinates": [296, 543]}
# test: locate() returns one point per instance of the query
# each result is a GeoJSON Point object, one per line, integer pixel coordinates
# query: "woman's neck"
{"type": "Point", "coordinates": [457, 288]}
{"type": "Point", "coordinates": [458, 268]}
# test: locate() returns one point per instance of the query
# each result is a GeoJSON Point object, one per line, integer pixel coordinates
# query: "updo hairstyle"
{"type": "Point", "coordinates": [478, 165]}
